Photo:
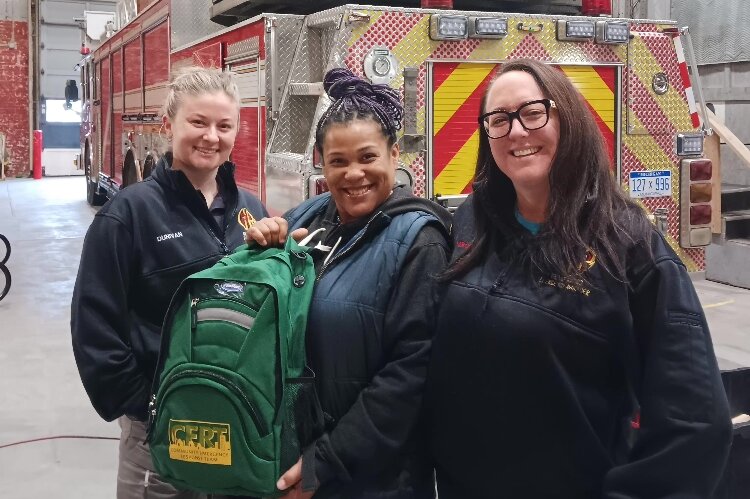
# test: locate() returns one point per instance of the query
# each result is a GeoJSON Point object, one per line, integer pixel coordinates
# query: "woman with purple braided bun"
{"type": "Point", "coordinates": [377, 251]}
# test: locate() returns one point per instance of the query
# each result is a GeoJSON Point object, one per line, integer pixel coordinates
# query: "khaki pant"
{"type": "Point", "coordinates": [136, 478]}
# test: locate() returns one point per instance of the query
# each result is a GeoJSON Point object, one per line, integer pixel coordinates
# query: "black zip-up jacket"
{"type": "Point", "coordinates": [533, 382]}
{"type": "Point", "coordinates": [137, 251]}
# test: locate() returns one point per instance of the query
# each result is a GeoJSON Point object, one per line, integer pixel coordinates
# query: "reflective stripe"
{"type": "Point", "coordinates": [685, 76]}
{"type": "Point", "coordinates": [225, 315]}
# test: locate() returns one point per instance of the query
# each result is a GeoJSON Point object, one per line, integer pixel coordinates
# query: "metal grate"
{"type": "Point", "coordinates": [718, 28]}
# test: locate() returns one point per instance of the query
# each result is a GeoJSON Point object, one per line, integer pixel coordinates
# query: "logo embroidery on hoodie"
{"type": "Point", "coordinates": [573, 283]}
{"type": "Point", "coordinates": [245, 218]}
{"type": "Point", "coordinates": [172, 235]}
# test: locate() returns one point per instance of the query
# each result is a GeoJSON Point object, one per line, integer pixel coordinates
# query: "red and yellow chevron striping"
{"type": "Point", "coordinates": [457, 93]}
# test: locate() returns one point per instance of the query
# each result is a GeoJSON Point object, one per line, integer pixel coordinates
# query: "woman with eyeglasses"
{"type": "Point", "coordinates": [572, 357]}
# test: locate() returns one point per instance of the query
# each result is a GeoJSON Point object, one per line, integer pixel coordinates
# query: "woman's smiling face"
{"type": "Point", "coordinates": [524, 156]}
{"type": "Point", "coordinates": [203, 131]}
{"type": "Point", "coordinates": [359, 167]}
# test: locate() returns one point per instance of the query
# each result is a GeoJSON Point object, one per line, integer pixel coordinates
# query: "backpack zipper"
{"type": "Point", "coordinates": [199, 373]}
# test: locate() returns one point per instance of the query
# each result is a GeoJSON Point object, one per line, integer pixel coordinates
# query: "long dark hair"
{"type": "Point", "coordinates": [587, 210]}
{"type": "Point", "coordinates": [356, 99]}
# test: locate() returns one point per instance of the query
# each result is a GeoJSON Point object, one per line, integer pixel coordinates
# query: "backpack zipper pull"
{"type": "Point", "coordinates": [151, 416]}
{"type": "Point", "coordinates": [193, 313]}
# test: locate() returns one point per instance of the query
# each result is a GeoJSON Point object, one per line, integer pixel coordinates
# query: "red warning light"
{"type": "Point", "coordinates": [700, 214]}
{"type": "Point", "coordinates": [701, 170]}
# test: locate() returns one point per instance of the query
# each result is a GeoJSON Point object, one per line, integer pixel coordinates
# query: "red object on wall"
{"type": "Point", "coordinates": [436, 4]}
{"type": "Point", "coordinates": [596, 7]}
{"type": "Point", "coordinates": [14, 104]}
{"type": "Point", "coordinates": [38, 145]}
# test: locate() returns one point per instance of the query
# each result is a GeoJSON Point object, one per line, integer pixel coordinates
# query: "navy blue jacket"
{"type": "Point", "coordinates": [533, 383]}
{"type": "Point", "coordinates": [137, 251]}
{"type": "Point", "coordinates": [368, 339]}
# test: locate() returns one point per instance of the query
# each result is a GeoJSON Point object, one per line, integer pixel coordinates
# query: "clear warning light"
{"type": "Point", "coordinates": [488, 27]}
{"type": "Point", "coordinates": [612, 32]}
{"type": "Point", "coordinates": [689, 144]}
{"type": "Point", "coordinates": [575, 30]}
{"type": "Point", "coordinates": [448, 27]}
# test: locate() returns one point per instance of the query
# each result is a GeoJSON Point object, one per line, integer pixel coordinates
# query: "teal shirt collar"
{"type": "Point", "coordinates": [532, 227]}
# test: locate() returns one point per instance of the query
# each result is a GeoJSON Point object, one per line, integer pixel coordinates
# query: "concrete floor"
{"type": "Point", "coordinates": [42, 395]}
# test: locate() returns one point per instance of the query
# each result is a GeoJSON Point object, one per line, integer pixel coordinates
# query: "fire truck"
{"type": "Point", "coordinates": [632, 73]}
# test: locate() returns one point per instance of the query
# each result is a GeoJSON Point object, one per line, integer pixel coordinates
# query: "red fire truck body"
{"type": "Point", "coordinates": [632, 74]}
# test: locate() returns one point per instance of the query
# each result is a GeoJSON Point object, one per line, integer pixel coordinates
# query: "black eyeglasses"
{"type": "Point", "coordinates": [531, 116]}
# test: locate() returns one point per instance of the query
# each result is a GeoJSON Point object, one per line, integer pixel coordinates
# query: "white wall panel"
{"type": "Point", "coordinates": [14, 9]}
{"type": "Point", "coordinates": [60, 42]}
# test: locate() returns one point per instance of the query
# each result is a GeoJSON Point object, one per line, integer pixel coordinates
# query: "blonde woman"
{"type": "Point", "coordinates": [141, 245]}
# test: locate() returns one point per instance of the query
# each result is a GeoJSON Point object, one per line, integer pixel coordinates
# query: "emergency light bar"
{"type": "Point", "coordinates": [575, 31]}
{"type": "Point", "coordinates": [445, 27]}
{"type": "Point", "coordinates": [488, 27]}
{"type": "Point", "coordinates": [690, 144]}
{"type": "Point", "coordinates": [612, 32]}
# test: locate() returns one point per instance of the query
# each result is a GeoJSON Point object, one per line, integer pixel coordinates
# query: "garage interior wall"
{"type": "Point", "coordinates": [14, 96]}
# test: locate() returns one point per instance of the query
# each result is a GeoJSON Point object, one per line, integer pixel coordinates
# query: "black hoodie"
{"type": "Point", "coordinates": [534, 382]}
{"type": "Point", "coordinates": [138, 249]}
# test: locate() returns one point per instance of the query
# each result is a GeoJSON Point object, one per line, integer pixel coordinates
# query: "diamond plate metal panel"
{"type": "Point", "coordinates": [417, 164]}
{"type": "Point", "coordinates": [649, 54]}
{"type": "Point", "coordinates": [543, 44]}
{"type": "Point", "coordinates": [245, 49]}
{"type": "Point", "coordinates": [289, 162]}
{"type": "Point", "coordinates": [718, 28]}
{"type": "Point", "coordinates": [651, 122]}
{"type": "Point", "coordinates": [327, 19]}
{"type": "Point", "coordinates": [191, 22]}
{"type": "Point", "coordinates": [287, 33]}
{"type": "Point", "coordinates": [286, 179]}
{"type": "Point", "coordinates": [294, 129]}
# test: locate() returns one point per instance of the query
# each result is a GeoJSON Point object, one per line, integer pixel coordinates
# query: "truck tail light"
{"type": "Point", "coordinates": [701, 169]}
{"type": "Point", "coordinates": [596, 7]}
{"type": "Point", "coordinates": [700, 193]}
{"type": "Point", "coordinates": [696, 192]}
{"type": "Point", "coordinates": [317, 185]}
{"type": "Point", "coordinates": [700, 214]}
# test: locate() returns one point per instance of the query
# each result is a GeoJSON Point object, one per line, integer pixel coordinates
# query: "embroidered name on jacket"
{"type": "Point", "coordinates": [172, 235]}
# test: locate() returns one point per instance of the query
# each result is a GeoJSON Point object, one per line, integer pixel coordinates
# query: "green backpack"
{"type": "Point", "coordinates": [233, 402]}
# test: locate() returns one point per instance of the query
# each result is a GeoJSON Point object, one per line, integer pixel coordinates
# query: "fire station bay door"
{"type": "Point", "coordinates": [457, 90]}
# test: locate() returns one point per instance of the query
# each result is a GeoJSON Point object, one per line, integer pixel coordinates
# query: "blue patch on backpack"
{"type": "Point", "coordinates": [230, 288]}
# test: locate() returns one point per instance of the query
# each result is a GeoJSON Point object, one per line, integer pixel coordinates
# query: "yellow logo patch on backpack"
{"type": "Point", "coordinates": [200, 442]}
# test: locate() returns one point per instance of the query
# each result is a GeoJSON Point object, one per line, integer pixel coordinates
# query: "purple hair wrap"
{"type": "Point", "coordinates": [352, 96]}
